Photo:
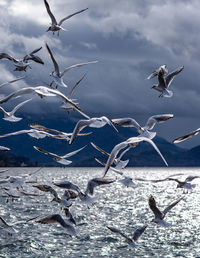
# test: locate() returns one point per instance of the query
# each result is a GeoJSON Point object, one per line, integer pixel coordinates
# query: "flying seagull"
{"type": "Point", "coordinates": [10, 116]}
{"type": "Point", "coordinates": [131, 142]}
{"type": "Point", "coordinates": [145, 130]}
{"type": "Point", "coordinates": [96, 122]}
{"type": "Point", "coordinates": [57, 75]}
{"type": "Point", "coordinates": [165, 82]}
{"type": "Point", "coordinates": [187, 136]}
{"type": "Point", "coordinates": [22, 64]}
{"type": "Point", "coordinates": [42, 91]}
{"type": "Point", "coordinates": [57, 158]}
{"type": "Point", "coordinates": [130, 241]}
{"type": "Point", "coordinates": [56, 26]}
{"type": "Point", "coordinates": [159, 216]}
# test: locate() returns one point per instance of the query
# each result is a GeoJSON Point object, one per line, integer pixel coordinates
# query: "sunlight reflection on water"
{"type": "Point", "coordinates": [124, 208]}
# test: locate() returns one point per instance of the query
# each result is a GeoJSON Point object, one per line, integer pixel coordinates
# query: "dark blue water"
{"type": "Point", "coordinates": [124, 208]}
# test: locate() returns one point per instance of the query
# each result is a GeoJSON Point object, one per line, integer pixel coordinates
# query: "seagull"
{"type": "Point", "coordinates": [2, 149]}
{"type": "Point", "coordinates": [157, 180]}
{"type": "Point", "coordinates": [185, 184]}
{"type": "Point", "coordinates": [42, 91]}
{"type": "Point", "coordinates": [57, 75]}
{"type": "Point", "coordinates": [9, 116]}
{"type": "Point", "coordinates": [22, 64]}
{"type": "Point", "coordinates": [159, 216]}
{"type": "Point", "coordinates": [165, 82]}
{"type": "Point", "coordinates": [15, 80]}
{"type": "Point", "coordinates": [131, 241]}
{"type": "Point", "coordinates": [60, 159]}
{"type": "Point", "coordinates": [162, 68]}
{"type": "Point", "coordinates": [97, 182]}
{"type": "Point", "coordinates": [67, 185]}
{"type": "Point", "coordinates": [145, 130]}
{"type": "Point", "coordinates": [55, 26]}
{"type": "Point", "coordinates": [48, 188]}
{"type": "Point", "coordinates": [96, 122]}
{"type": "Point", "coordinates": [57, 218]}
{"type": "Point", "coordinates": [187, 136]}
{"type": "Point", "coordinates": [131, 142]}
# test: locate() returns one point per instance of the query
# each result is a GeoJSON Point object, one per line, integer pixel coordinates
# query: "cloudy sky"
{"type": "Point", "coordinates": [129, 38]}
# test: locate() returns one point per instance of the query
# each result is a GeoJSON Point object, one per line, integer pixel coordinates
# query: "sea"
{"type": "Point", "coordinates": [125, 208]}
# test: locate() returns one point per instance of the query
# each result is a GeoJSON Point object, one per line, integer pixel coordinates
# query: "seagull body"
{"type": "Point", "coordinates": [9, 116]}
{"type": "Point", "coordinates": [187, 136]}
{"type": "Point", "coordinates": [96, 122]}
{"type": "Point", "coordinates": [56, 26]}
{"type": "Point", "coordinates": [162, 68]}
{"type": "Point", "coordinates": [159, 216]}
{"type": "Point", "coordinates": [145, 130]}
{"type": "Point", "coordinates": [131, 241]}
{"type": "Point", "coordinates": [165, 82]}
{"type": "Point", "coordinates": [131, 142]}
{"type": "Point", "coordinates": [57, 75]}
{"type": "Point", "coordinates": [22, 64]}
{"type": "Point", "coordinates": [42, 91]}
{"type": "Point", "coordinates": [57, 158]}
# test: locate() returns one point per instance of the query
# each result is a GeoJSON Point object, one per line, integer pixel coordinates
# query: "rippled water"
{"type": "Point", "coordinates": [124, 208]}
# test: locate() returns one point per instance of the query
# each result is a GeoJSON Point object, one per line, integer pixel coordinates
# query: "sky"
{"type": "Point", "coordinates": [130, 39]}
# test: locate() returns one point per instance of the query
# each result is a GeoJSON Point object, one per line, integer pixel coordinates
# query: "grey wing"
{"type": "Point", "coordinates": [75, 85]}
{"type": "Point", "coordinates": [15, 80]}
{"type": "Point", "coordinates": [77, 65]}
{"type": "Point", "coordinates": [157, 119]}
{"type": "Point", "coordinates": [46, 152]}
{"type": "Point", "coordinates": [152, 75]}
{"type": "Point", "coordinates": [108, 121]}
{"type": "Point", "coordinates": [190, 178]}
{"type": "Point", "coordinates": [9, 57]}
{"type": "Point", "coordinates": [113, 155]}
{"type": "Point", "coordinates": [96, 182]}
{"type": "Point", "coordinates": [79, 126]}
{"type": "Point", "coordinates": [35, 51]}
{"type": "Point", "coordinates": [138, 232]}
{"type": "Point", "coordinates": [99, 149]}
{"type": "Point", "coordinates": [153, 207]}
{"type": "Point", "coordinates": [126, 122]}
{"type": "Point", "coordinates": [73, 152]}
{"type": "Point", "coordinates": [187, 136]}
{"type": "Point", "coordinates": [168, 208]}
{"type": "Point", "coordinates": [169, 78]}
{"type": "Point", "coordinates": [56, 67]}
{"type": "Point", "coordinates": [20, 105]}
{"type": "Point", "coordinates": [69, 16]}
{"type": "Point", "coordinates": [53, 19]}
{"type": "Point", "coordinates": [4, 222]}
{"type": "Point", "coordinates": [15, 133]}
{"type": "Point", "coordinates": [17, 93]}
{"type": "Point", "coordinates": [117, 231]}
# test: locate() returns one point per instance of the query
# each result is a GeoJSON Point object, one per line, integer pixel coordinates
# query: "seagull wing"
{"type": "Point", "coordinates": [53, 19]}
{"type": "Point", "coordinates": [75, 85]}
{"type": "Point", "coordinates": [15, 80]}
{"type": "Point", "coordinates": [153, 207]}
{"type": "Point", "coordinates": [46, 152]}
{"type": "Point", "coordinates": [168, 208]}
{"type": "Point", "coordinates": [96, 182]}
{"type": "Point", "coordinates": [138, 232]}
{"type": "Point", "coordinates": [190, 178]}
{"type": "Point", "coordinates": [56, 67]}
{"type": "Point", "coordinates": [19, 105]}
{"type": "Point", "coordinates": [187, 136]}
{"type": "Point", "coordinates": [72, 153]}
{"type": "Point", "coordinates": [127, 122]}
{"type": "Point", "coordinates": [69, 16]}
{"type": "Point", "coordinates": [8, 57]}
{"type": "Point", "coordinates": [15, 133]}
{"type": "Point", "coordinates": [118, 231]}
{"type": "Point", "coordinates": [99, 149]}
{"type": "Point", "coordinates": [77, 65]}
{"type": "Point", "coordinates": [79, 126]}
{"type": "Point", "coordinates": [18, 93]}
{"type": "Point", "coordinates": [156, 119]}
{"type": "Point", "coordinates": [169, 78]}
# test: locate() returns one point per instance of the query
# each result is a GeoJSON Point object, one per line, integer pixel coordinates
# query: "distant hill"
{"type": "Point", "coordinates": [22, 151]}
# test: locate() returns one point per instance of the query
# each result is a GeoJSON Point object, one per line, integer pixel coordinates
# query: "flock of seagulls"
{"type": "Point", "coordinates": [13, 185]}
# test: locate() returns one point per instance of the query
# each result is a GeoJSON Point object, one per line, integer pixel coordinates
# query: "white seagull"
{"type": "Point", "coordinates": [42, 91]}
{"type": "Point", "coordinates": [57, 75]}
{"type": "Point", "coordinates": [159, 216]}
{"type": "Point", "coordinates": [131, 142]}
{"type": "Point", "coordinates": [145, 130]}
{"type": "Point", "coordinates": [165, 82]}
{"type": "Point", "coordinates": [131, 241]}
{"type": "Point", "coordinates": [22, 64]}
{"type": "Point", "coordinates": [56, 26]}
{"type": "Point", "coordinates": [60, 159]}
{"type": "Point", "coordinates": [96, 122]}
{"type": "Point", "coordinates": [9, 116]}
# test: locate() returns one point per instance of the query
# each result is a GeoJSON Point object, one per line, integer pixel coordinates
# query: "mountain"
{"type": "Point", "coordinates": [143, 155]}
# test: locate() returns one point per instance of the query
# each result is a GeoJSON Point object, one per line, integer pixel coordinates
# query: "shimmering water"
{"type": "Point", "coordinates": [124, 208]}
